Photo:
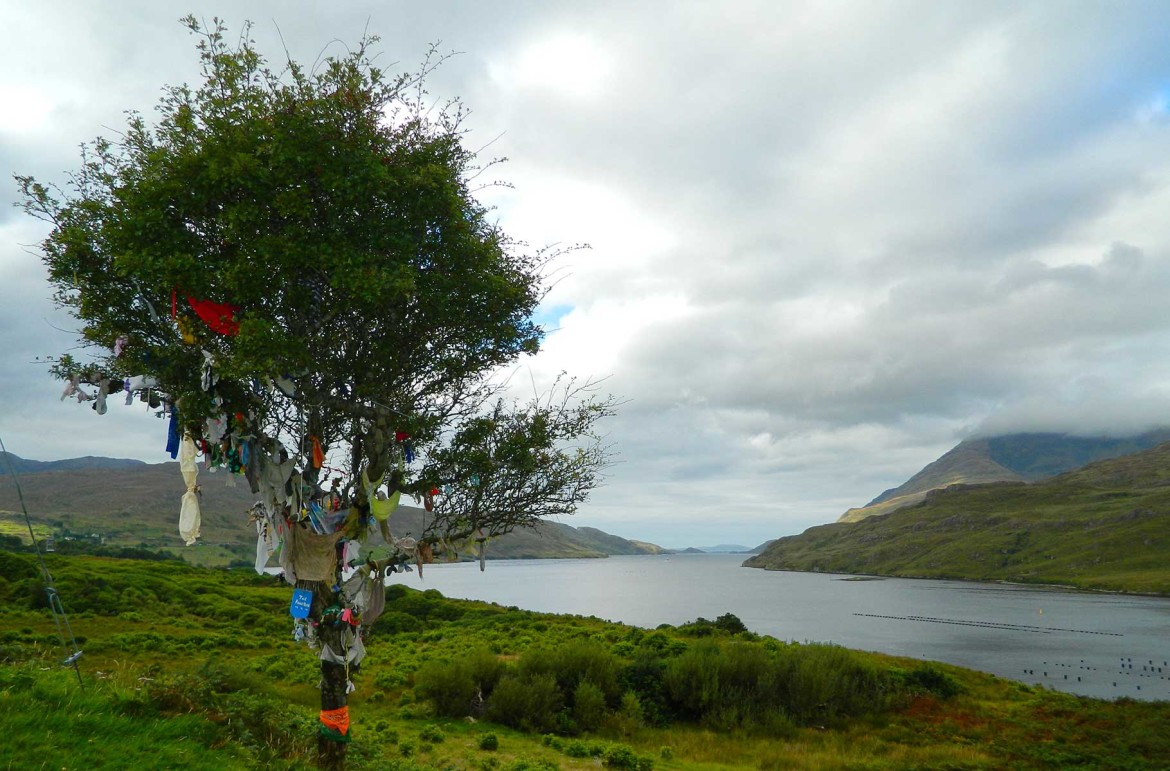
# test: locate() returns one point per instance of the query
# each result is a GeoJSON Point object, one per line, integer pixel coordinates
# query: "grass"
{"type": "Point", "coordinates": [12, 524]}
{"type": "Point", "coordinates": [194, 668]}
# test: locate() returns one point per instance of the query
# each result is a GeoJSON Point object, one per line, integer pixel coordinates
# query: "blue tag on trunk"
{"type": "Point", "coordinates": [302, 600]}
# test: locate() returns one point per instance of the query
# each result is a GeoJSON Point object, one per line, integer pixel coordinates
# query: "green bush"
{"type": "Point", "coordinates": [588, 706]}
{"type": "Point", "coordinates": [931, 679]}
{"type": "Point", "coordinates": [629, 715]}
{"type": "Point", "coordinates": [730, 623]}
{"type": "Point", "coordinates": [396, 622]}
{"type": "Point", "coordinates": [447, 685]}
{"type": "Point", "coordinates": [528, 703]}
{"type": "Point", "coordinates": [574, 662]}
{"type": "Point", "coordinates": [743, 684]}
{"type": "Point", "coordinates": [489, 742]}
{"type": "Point", "coordinates": [621, 757]}
{"type": "Point", "coordinates": [532, 764]}
{"type": "Point", "coordinates": [433, 734]}
{"type": "Point", "coordinates": [458, 688]}
{"type": "Point", "coordinates": [576, 749]}
{"type": "Point", "coordinates": [644, 676]}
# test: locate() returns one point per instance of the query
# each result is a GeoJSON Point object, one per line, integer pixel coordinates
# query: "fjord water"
{"type": "Point", "coordinates": [1103, 645]}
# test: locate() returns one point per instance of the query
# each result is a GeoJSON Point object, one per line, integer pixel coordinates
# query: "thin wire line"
{"type": "Point", "coordinates": [60, 619]}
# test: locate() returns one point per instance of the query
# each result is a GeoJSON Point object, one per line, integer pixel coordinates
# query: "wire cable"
{"type": "Point", "coordinates": [60, 619]}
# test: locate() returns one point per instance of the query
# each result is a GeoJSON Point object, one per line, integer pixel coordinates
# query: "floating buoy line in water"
{"type": "Point", "coordinates": [60, 619]}
{"type": "Point", "coordinates": [990, 624]}
{"type": "Point", "coordinates": [1157, 672]}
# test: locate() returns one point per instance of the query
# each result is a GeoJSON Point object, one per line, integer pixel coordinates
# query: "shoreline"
{"type": "Point", "coordinates": [996, 581]}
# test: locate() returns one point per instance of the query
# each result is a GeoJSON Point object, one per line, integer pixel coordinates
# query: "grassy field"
{"type": "Point", "coordinates": [12, 524]}
{"type": "Point", "coordinates": [1106, 527]}
{"type": "Point", "coordinates": [195, 668]}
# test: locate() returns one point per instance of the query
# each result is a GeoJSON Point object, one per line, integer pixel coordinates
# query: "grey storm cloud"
{"type": "Point", "coordinates": [829, 240]}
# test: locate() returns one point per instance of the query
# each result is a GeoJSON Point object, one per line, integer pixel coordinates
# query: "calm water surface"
{"type": "Point", "coordinates": [1093, 644]}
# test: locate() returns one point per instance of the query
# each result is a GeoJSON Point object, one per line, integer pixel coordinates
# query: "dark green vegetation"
{"type": "Point", "coordinates": [1008, 458]}
{"type": "Point", "coordinates": [109, 504]}
{"type": "Point", "coordinates": [193, 668]}
{"type": "Point", "coordinates": [1105, 526]}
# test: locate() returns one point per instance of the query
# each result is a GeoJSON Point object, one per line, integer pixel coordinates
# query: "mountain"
{"type": "Point", "coordinates": [8, 461]}
{"type": "Point", "coordinates": [132, 503]}
{"type": "Point", "coordinates": [1103, 526]}
{"type": "Point", "coordinates": [725, 548]}
{"type": "Point", "coordinates": [1007, 458]}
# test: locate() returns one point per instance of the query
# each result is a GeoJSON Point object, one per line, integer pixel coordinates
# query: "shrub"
{"type": "Point", "coordinates": [576, 749]}
{"type": "Point", "coordinates": [933, 680]}
{"type": "Point", "coordinates": [489, 742]}
{"type": "Point", "coordinates": [447, 685]}
{"type": "Point", "coordinates": [485, 669]}
{"type": "Point", "coordinates": [433, 734]}
{"type": "Point", "coordinates": [620, 756]}
{"type": "Point", "coordinates": [730, 623]}
{"type": "Point", "coordinates": [396, 622]}
{"type": "Point", "coordinates": [532, 764]}
{"type": "Point", "coordinates": [588, 706]}
{"type": "Point", "coordinates": [629, 716]}
{"type": "Point", "coordinates": [644, 676]}
{"type": "Point", "coordinates": [576, 661]}
{"type": "Point", "coordinates": [458, 688]}
{"type": "Point", "coordinates": [744, 684]}
{"type": "Point", "coordinates": [825, 682]}
{"type": "Point", "coordinates": [528, 703]}
{"type": "Point", "coordinates": [389, 680]}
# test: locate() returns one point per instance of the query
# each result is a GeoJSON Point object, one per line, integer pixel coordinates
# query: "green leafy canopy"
{"type": "Point", "coordinates": [333, 208]}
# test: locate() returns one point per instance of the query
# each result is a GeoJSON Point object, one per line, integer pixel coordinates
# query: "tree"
{"type": "Point", "coordinates": [296, 262]}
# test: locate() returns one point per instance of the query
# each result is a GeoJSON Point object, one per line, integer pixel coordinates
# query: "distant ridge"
{"type": "Point", "coordinates": [129, 502]}
{"type": "Point", "coordinates": [25, 466]}
{"type": "Point", "coordinates": [1026, 457]}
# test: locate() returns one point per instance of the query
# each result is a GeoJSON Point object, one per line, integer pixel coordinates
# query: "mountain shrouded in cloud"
{"type": "Point", "coordinates": [1024, 457]}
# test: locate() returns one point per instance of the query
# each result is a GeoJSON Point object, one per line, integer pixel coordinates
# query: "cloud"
{"type": "Point", "coordinates": [829, 240]}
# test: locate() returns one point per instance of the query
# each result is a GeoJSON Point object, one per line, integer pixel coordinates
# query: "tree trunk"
{"type": "Point", "coordinates": [331, 753]}
{"type": "Point", "coordinates": [334, 680]}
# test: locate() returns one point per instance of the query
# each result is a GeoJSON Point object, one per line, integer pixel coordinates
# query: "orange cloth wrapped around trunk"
{"type": "Point", "coordinates": [337, 719]}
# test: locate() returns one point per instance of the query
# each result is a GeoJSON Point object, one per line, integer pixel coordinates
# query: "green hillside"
{"type": "Point", "coordinates": [128, 503]}
{"type": "Point", "coordinates": [1105, 526]}
{"type": "Point", "coordinates": [1007, 458]}
{"type": "Point", "coordinates": [195, 668]}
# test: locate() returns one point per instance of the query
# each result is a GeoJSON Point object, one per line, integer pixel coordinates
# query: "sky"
{"type": "Point", "coordinates": [829, 240]}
